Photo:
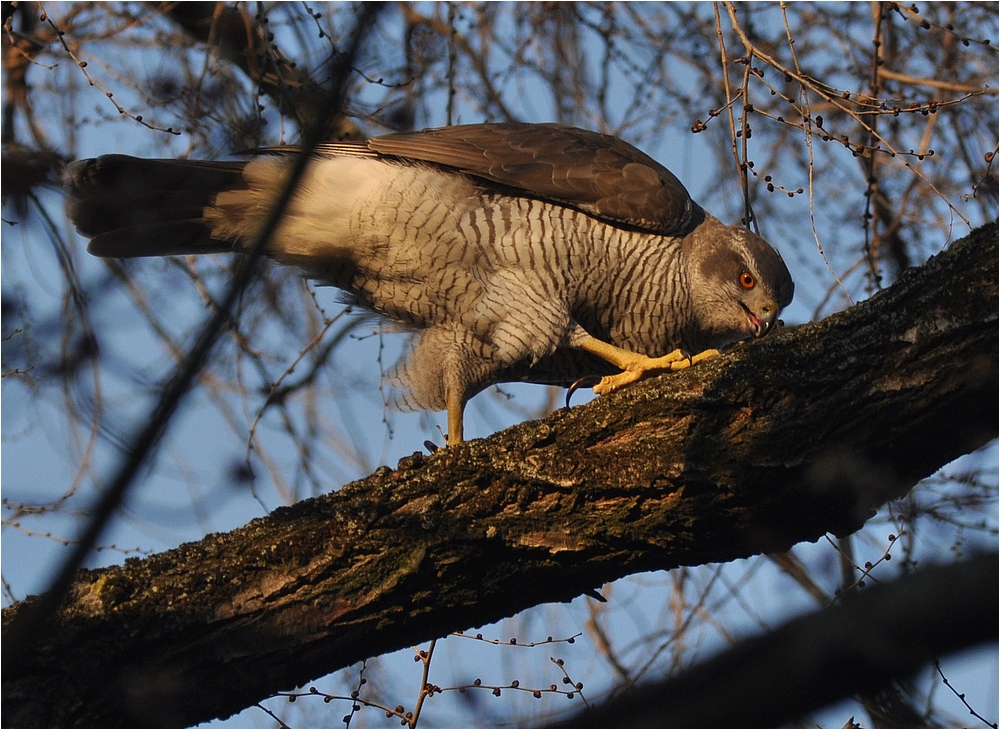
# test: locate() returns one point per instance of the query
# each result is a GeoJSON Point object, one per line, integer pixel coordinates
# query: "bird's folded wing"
{"type": "Point", "coordinates": [596, 173]}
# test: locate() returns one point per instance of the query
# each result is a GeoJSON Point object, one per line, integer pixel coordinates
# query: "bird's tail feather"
{"type": "Point", "coordinates": [136, 207]}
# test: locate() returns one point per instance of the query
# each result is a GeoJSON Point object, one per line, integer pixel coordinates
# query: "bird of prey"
{"type": "Point", "coordinates": [512, 252]}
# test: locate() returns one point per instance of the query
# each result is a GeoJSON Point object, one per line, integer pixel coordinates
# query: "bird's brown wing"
{"type": "Point", "coordinates": [596, 173]}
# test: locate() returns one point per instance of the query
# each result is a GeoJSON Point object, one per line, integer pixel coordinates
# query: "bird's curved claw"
{"type": "Point", "coordinates": [584, 382]}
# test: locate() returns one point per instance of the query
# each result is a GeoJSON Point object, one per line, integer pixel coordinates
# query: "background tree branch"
{"type": "Point", "coordinates": [242, 41]}
{"type": "Point", "coordinates": [771, 444]}
{"type": "Point", "coordinates": [885, 632]}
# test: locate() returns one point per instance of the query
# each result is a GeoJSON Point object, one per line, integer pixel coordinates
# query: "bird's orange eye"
{"type": "Point", "coordinates": [746, 280]}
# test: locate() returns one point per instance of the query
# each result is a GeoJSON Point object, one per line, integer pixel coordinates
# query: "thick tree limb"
{"type": "Point", "coordinates": [771, 444]}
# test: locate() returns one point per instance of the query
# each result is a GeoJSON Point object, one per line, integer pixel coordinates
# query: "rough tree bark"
{"type": "Point", "coordinates": [776, 442]}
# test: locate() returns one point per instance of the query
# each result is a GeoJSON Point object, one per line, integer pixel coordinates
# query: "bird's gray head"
{"type": "Point", "coordinates": [739, 284]}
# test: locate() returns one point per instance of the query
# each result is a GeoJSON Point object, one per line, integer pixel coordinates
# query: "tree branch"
{"type": "Point", "coordinates": [242, 41]}
{"type": "Point", "coordinates": [771, 444]}
{"type": "Point", "coordinates": [882, 633]}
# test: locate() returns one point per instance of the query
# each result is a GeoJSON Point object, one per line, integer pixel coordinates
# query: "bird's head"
{"type": "Point", "coordinates": [739, 284]}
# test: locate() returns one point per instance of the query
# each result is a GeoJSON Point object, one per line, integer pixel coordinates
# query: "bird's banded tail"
{"type": "Point", "coordinates": [130, 207]}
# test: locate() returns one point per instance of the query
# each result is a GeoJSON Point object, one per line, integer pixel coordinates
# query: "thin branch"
{"type": "Point", "coordinates": [935, 83]}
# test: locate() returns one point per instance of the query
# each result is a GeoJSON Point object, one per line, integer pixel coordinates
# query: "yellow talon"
{"type": "Point", "coordinates": [634, 366]}
{"type": "Point", "coordinates": [639, 366]}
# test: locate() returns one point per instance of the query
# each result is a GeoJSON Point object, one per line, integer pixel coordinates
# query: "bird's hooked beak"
{"type": "Point", "coordinates": [760, 326]}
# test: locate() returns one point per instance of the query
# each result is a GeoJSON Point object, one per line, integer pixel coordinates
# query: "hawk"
{"type": "Point", "coordinates": [512, 252]}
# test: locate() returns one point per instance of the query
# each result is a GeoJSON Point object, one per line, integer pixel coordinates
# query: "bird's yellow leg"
{"type": "Point", "coordinates": [455, 407]}
{"type": "Point", "coordinates": [634, 365]}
